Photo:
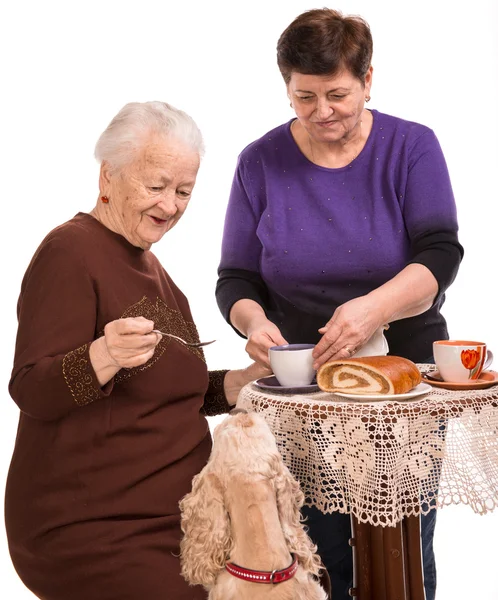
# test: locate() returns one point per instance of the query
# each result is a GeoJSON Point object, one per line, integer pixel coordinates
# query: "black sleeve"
{"type": "Point", "coordinates": [239, 284]}
{"type": "Point", "coordinates": [441, 253]}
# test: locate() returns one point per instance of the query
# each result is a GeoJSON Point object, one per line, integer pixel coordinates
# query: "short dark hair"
{"type": "Point", "coordinates": [324, 42]}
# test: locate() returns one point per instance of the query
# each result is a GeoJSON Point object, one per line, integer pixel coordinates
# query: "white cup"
{"type": "Point", "coordinates": [461, 360]}
{"type": "Point", "coordinates": [292, 364]}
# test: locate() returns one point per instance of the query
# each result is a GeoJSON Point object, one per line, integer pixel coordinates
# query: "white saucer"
{"type": "Point", "coordinates": [419, 390]}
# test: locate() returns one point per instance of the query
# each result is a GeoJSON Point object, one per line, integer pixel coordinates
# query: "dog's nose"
{"type": "Point", "coordinates": [236, 411]}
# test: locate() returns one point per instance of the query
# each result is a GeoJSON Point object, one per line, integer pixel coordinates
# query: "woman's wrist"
{"type": "Point", "coordinates": [104, 366]}
{"type": "Point", "coordinates": [380, 306]}
{"type": "Point", "coordinates": [246, 315]}
{"type": "Point", "coordinates": [258, 321]}
{"type": "Point", "coordinates": [232, 385]}
{"type": "Point", "coordinates": [236, 379]}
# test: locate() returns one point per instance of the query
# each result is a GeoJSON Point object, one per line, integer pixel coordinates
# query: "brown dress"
{"type": "Point", "coordinates": [96, 475]}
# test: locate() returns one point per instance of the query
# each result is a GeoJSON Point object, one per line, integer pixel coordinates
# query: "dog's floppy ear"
{"type": "Point", "coordinates": [289, 500]}
{"type": "Point", "coordinates": [207, 542]}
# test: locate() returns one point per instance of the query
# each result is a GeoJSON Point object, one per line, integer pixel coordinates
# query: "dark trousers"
{"type": "Point", "coordinates": [331, 533]}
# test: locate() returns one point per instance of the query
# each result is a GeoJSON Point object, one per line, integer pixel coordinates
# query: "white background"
{"type": "Point", "coordinates": [68, 67]}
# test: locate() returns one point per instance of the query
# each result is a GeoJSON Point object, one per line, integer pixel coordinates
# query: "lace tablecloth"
{"type": "Point", "coordinates": [386, 460]}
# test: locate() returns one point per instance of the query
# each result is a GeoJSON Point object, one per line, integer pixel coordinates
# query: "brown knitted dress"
{"type": "Point", "coordinates": [96, 475]}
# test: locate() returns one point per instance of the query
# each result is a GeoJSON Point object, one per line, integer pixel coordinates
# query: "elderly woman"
{"type": "Point", "coordinates": [113, 415]}
{"type": "Point", "coordinates": [339, 221]}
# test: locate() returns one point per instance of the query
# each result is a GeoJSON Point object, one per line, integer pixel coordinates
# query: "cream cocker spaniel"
{"type": "Point", "coordinates": [244, 510]}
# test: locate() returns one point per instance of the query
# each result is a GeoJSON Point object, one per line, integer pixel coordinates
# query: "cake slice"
{"type": "Point", "coordinates": [369, 375]}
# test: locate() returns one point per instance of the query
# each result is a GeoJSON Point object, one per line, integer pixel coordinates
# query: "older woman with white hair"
{"type": "Point", "coordinates": [112, 424]}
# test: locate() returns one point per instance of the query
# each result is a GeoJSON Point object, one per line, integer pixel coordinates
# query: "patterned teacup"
{"type": "Point", "coordinates": [461, 360]}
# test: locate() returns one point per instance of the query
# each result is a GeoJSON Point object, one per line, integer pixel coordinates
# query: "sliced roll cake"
{"type": "Point", "coordinates": [369, 375]}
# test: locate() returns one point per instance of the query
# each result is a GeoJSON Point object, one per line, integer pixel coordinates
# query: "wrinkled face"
{"type": "Point", "coordinates": [149, 196]}
{"type": "Point", "coordinates": [329, 108]}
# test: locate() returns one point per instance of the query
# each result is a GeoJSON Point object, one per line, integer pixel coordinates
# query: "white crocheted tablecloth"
{"type": "Point", "coordinates": [386, 460]}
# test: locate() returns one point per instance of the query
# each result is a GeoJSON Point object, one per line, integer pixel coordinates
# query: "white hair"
{"type": "Point", "coordinates": [136, 122]}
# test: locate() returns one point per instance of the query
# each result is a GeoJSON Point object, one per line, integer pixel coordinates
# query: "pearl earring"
{"type": "Point", "coordinates": [367, 98]}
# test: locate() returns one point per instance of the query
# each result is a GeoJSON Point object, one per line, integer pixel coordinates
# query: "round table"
{"type": "Point", "coordinates": [386, 463]}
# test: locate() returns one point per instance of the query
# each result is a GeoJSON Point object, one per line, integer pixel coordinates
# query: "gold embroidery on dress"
{"type": "Point", "coordinates": [166, 319]}
{"type": "Point", "coordinates": [215, 402]}
{"type": "Point", "coordinates": [77, 372]}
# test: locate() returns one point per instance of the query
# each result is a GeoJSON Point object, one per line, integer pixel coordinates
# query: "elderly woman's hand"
{"type": "Point", "coordinates": [130, 342]}
{"type": "Point", "coordinates": [126, 343]}
{"type": "Point", "coordinates": [236, 379]}
{"type": "Point", "coordinates": [351, 326]}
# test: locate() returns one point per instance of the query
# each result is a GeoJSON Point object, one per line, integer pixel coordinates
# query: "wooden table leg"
{"type": "Point", "coordinates": [362, 564]}
{"type": "Point", "coordinates": [413, 558]}
{"type": "Point", "coordinates": [394, 560]}
{"type": "Point", "coordinates": [387, 561]}
{"type": "Point", "coordinates": [378, 561]}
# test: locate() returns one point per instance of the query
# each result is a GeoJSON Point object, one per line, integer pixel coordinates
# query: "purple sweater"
{"type": "Point", "coordinates": [301, 239]}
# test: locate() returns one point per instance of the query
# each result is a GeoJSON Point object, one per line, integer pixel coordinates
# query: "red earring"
{"type": "Point", "coordinates": [105, 199]}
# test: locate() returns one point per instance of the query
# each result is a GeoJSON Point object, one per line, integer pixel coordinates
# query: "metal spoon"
{"type": "Point", "coordinates": [192, 344]}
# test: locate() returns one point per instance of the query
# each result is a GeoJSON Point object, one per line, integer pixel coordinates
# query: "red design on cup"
{"type": "Point", "coordinates": [471, 360]}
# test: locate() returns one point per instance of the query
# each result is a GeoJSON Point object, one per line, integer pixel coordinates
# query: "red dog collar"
{"type": "Point", "coordinates": [263, 576]}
